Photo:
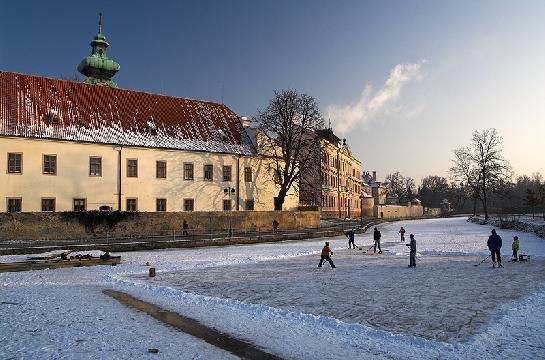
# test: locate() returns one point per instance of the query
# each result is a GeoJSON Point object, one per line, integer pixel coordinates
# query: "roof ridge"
{"type": "Point", "coordinates": [120, 89]}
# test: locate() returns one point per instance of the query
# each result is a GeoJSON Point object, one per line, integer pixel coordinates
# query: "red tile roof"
{"type": "Point", "coordinates": [38, 107]}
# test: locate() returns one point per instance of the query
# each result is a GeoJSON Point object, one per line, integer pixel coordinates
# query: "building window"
{"type": "Point", "coordinates": [14, 205]}
{"type": "Point", "coordinates": [48, 204]}
{"type": "Point", "coordinates": [95, 166]}
{"type": "Point", "coordinates": [132, 204]}
{"type": "Point", "coordinates": [161, 205]}
{"type": "Point", "coordinates": [161, 169]}
{"type": "Point", "coordinates": [276, 176]}
{"type": "Point", "coordinates": [248, 174]}
{"type": "Point", "coordinates": [50, 164]}
{"type": "Point", "coordinates": [132, 168]}
{"type": "Point", "coordinates": [226, 205]}
{"type": "Point", "coordinates": [80, 204]}
{"type": "Point", "coordinates": [227, 173]}
{"type": "Point", "coordinates": [250, 204]}
{"type": "Point", "coordinates": [189, 204]}
{"type": "Point", "coordinates": [15, 163]}
{"type": "Point", "coordinates": [188, 171]}
{"type": "Point", "coordinates": [208, 172]}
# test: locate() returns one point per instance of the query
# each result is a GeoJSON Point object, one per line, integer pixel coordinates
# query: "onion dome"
{"type": "Point", "coordinates": [97, 67]}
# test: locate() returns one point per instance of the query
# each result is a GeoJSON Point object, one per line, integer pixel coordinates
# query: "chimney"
{"type": "Point", "coordinates": [245, 121]}
{"type": "Point", "coordinates": [344, 142]}
{"type": "Point", "coordinates": [374, 176]}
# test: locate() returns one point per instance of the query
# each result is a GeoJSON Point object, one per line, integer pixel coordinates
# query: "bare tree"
{"type": "Point", "coordinates": [401, 186]}
{"type": "Point", "coordinates": [481, 166]}
{"type": "Point", "coordinates": [410, 188]}
{"type": "Point", "coordinates": [433, 190]}
{"type": "Point", "coordinates": [287, 127]}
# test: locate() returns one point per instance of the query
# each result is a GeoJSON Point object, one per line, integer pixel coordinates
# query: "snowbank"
{"type": "Point", "coordinates": [274, 296]}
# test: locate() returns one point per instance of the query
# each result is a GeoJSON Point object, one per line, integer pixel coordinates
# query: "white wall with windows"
{"type": "Point", "coordinates": [51, 175]}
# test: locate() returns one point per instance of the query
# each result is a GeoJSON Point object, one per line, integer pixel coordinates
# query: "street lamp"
{"type": "Point", "coordinates": [229, 190]}
{"type": "Point", "coordinates": [361, 211]}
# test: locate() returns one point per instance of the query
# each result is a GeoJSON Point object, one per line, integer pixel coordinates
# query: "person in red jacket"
{"type": "Point", "coordinates": [325, 255]}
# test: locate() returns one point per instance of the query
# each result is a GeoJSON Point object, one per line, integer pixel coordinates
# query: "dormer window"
{"type": "Point", "coordinates": [52, 117]}
{"type": "Point", "coordinates": [221, 135]}
{"type": "Point", "coordinates": [151, 128]}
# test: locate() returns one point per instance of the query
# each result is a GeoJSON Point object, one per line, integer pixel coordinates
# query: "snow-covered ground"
{"type": "Point", "coordinates": [275, 297]}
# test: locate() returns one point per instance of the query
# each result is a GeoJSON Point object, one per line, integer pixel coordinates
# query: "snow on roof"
{"type": "Point", "coordinates": [38, 107]}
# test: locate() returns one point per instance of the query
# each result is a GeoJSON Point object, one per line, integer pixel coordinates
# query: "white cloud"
{"type": "Point", "coordinates": [345, 117]}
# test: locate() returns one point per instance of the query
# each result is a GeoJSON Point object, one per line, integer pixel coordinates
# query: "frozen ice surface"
{"type": "Point", "coordinates": [273, 296]}
{"type": "Point", "coordinates": [79, 322]}
{"type": "Point", "coordinates": [444, 298]}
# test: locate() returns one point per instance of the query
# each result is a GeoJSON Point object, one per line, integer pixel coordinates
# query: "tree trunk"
{"type": "Point", "coordinates": [484, 198]}
{"type": "Point", "coordinates": [278, 203]}
{"type": "Point", "coordinates": [279, 200]}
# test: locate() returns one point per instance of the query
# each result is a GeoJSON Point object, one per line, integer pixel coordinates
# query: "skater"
{"type": "Point", "coordinates": [494, 245]}
{"type": "Point", "coordinates": [325, 256]}
{"type": "Point", "coordinates": [412, 257]}
{"type": "Point", "coordinates": [185, 226]}
{"type": "Point", "coordinates": [515, 247]}
{"type": "Point", "coordinates": [402, 233]}
{"type": "Point", "coordinates": [376, 237]}
{"type": "Point", "coordinates": [350, 236]}
{"type": "Point", "coordinates": [275, 226]}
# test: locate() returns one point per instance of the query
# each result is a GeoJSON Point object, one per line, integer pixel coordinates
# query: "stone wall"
{"type": "Point", "coordinates": [34, 226]}
{"type": "Point", "coordinates": [398, 211]}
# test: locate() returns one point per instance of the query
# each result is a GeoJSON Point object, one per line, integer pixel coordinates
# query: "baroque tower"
{"type": "Point", "coordinates": [97, 67]}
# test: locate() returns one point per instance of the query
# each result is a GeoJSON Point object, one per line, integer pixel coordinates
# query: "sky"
{"type": "Point", "coordinates": [405, 82]}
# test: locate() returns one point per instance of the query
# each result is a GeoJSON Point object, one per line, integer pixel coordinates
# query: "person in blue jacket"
{"type": "Point", "coordinates": [350, 236]}
{"type": "Point", "coordinates": [494, 245]}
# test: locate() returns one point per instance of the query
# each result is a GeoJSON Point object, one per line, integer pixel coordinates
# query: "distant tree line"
{"type": "Point", "coordinates": [481, 179]}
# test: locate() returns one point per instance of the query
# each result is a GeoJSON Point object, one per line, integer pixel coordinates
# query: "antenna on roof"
{"type": "Point", "coordinates": [100, 22]}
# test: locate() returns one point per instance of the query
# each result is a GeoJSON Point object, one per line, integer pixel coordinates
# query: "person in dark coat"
{"type": "Point", "coordinates": [185, 226]}
{"type": "Point", "coordinates": [325, 256]}
{"type": "Point", "coordinates": [412, 257]}
{"type": "Point", "coordinates": [275, 226]}
{"type": "Point", "coordinates": [350, 236]}
{"type": "Point", "coordinates": [376, 236]}
{"type": "Point", "coordinates": [494, 245]}
{"type": "Point", "coordinates": [402, 233]}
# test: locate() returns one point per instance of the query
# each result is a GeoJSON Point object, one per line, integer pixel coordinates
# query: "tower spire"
{"type": "Point", "coordinates": [98, 67]}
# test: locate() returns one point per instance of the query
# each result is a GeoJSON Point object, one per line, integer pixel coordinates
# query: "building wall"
{"type": "Point", "coordinates": [380, 193]}
{"type": "Point", "coordinates": [368, 204]}
{"type": "Point", "coordinates": [398, 211]}
{"type": "Point", "coordinates": [341, 182]}
{"type": "Point", "coordinates": [73, 180]}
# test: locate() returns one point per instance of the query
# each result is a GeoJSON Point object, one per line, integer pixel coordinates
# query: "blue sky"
{"type": "Point", "coordinates": [405, 82]}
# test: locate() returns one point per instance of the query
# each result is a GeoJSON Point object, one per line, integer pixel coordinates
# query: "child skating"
{"type": "Point", "coordinates": [326, 251]}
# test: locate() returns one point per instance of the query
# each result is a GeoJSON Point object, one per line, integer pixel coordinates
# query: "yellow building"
{"type": "Point", "coordinates": [68, 146]}
{"type": "Point", "coordinates": [336, 185]}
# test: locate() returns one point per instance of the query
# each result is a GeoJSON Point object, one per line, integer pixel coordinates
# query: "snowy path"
{"type": "Point", "coordinates": [273, 296]}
